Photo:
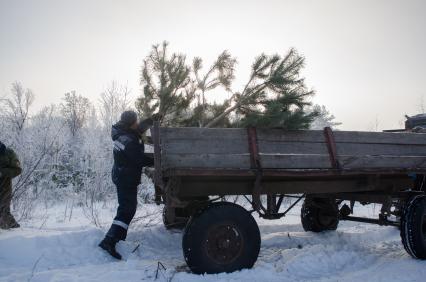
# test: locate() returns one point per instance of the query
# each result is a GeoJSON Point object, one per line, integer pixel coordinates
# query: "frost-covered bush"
{"type": "Point", "coordinates": [61, 165]}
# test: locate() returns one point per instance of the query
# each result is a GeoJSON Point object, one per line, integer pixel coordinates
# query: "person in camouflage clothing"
{"type": "Point", "coordinates": [9, 169]}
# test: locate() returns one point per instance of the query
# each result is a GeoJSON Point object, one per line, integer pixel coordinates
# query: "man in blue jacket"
{"type": "Point", "coordinates": [129, 159]}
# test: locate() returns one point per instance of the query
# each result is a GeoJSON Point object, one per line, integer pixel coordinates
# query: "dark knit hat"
{"type": "Point", "coordinates": [129, 117]}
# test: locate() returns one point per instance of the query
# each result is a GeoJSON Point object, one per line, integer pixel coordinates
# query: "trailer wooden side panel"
{"type": "Point", "coordinates": [279, 149]}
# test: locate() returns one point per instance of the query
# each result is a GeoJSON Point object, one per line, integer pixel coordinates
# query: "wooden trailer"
{"type": "Point", "coordinates": [195, 168]}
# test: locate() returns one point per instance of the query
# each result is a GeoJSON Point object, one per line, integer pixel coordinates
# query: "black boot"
{"type": "Point", "coordinates": [14, 225]}
{"type": "Point", "coordinates": [108, 244]}
{"type": "Point", "coordinates": [12, 222]}
{"type": "Point", "coordinates": [7, 221]}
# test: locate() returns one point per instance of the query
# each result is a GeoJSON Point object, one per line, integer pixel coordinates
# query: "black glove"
{"type": "Point", "coordinates": [157, 116]}
{"type": "Point", "coordinates": [145, 125]}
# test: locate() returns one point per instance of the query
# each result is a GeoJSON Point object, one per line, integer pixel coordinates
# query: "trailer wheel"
{"type": "Point", "coordinates": [224, 237]}
{"type": "Point", "coordinates": [413, 227]}
{"type": "Point", "coordinates": [319, 214]}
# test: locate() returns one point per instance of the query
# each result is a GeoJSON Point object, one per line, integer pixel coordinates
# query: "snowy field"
{"type": "Point", "coordinates": [61, 245]}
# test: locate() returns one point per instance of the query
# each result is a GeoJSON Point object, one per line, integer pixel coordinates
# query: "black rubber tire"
{"type": "Point", "coordinates": [319, 214]}
{"type": "Point", "coordinates": [413, 227]}
{"type": "Point", "coordinates": [203, 240]}
{"type": "Point", "coordinates": [177, 224]}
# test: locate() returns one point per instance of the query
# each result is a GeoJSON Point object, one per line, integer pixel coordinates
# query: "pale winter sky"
{"type": "Point", "coordinates": [365, 59]}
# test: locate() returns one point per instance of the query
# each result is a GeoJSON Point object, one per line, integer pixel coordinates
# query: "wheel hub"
{"type": "Point", "coordinates": [326, 218]}
{"type": "Point", "coordinates": [224, 243]}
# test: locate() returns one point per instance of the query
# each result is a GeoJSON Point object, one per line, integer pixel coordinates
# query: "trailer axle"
{"type": "Point", "coordinates": [370, 220]}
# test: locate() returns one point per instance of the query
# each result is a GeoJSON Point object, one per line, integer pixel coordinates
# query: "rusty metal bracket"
{"type": "Point", "coordinates": [273, 206]}
{"type": "Point", "coordinates": [158, 173]}
{"type": "Point", "coordinates": [331, 146]}
{"type": "Point", "coordinates": [255, 164]}
{"type": "Point", "coordinates": [253, 148]}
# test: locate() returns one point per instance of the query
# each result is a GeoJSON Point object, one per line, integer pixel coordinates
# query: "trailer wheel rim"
{"type": "Point", "coordinates": [224, 243]}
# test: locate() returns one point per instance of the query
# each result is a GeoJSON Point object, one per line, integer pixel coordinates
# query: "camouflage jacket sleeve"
{"type": "Point", "coordinates": [10, 165]}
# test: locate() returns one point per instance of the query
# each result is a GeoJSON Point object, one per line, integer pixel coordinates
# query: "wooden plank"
{"type": "Point", "coordinates": [239, 146]}
{"type": "Point", "coordinates": [296, 135]}
{"type": "Point", "coordinates": [295, 161]}
{"type": "Point", "coordinates": [404, 138]}
{"type": "Point", "coordinates": [188, 133]}
{"type": "Point", "coordinates": [380, 137]}
{"type": "Point", "coordinates": [292, 173]}
{"type": "Point", "coordinates": [366, 162]}
{"type": "Point", "coordinates": [205, 146]}
{"type": "Point", "coordinates": [242, 161]}
{"type": "Point", "coordinates": [271, 147]}
{"type": "Point", "coordinates": [206, 160]}
{"type": "Point", "coordinates": [360, 149]}
{"type": "Point", "coordinates": [279, 135]}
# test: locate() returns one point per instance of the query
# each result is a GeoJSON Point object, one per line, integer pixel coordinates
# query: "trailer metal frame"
{"type": "Point", "coordinates": [189, 188]}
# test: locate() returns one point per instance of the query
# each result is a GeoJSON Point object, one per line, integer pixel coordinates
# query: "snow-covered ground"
{"type": "Point", "coordinates": [57, 245]}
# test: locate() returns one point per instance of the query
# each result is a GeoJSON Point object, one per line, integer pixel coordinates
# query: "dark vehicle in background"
{"type": "Point", "coordinates": [415, 123]}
